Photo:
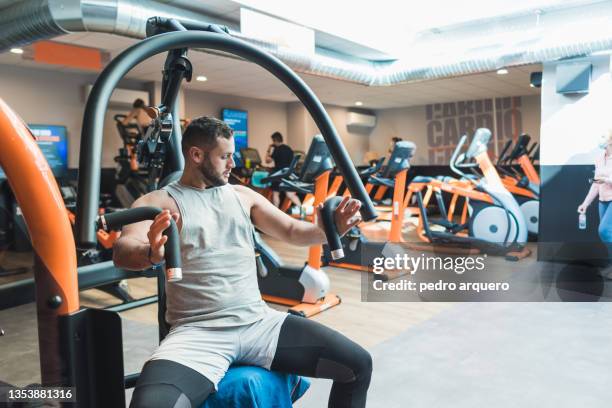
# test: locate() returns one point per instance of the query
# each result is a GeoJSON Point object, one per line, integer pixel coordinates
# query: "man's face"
{"type": "Point", "coordinates": [218, 163]}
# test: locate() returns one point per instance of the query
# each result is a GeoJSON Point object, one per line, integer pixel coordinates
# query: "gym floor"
{"type": "Point", "coordinates": [431, 354]}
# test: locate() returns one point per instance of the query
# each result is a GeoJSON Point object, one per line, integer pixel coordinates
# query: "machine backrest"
{"type": "Point", "coordinates": [479, 143]}
{"type": "Point", "coordinates": [400, 158]}
{"type": "Point", "coordinates": [318, 159]}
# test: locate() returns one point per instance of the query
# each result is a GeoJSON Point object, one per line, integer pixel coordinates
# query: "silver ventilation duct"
{"type": "Point", "coordinates": [563, 31]}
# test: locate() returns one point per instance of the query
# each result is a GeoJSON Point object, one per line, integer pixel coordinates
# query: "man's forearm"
{"type": "Point", "coordinates": [131, 254]}
{"type": "Point", "coordinates": [304, 233]}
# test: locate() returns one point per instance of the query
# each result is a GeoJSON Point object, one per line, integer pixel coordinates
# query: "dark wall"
{"type": "Point", "coordinates": [563, 189]}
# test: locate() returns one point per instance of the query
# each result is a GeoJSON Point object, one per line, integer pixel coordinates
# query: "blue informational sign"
{"type": "Point", "coordinates": [53, 142]}
{"type": "Point", "coordinates": [238, 121]}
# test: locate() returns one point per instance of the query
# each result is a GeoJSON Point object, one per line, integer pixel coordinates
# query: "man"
{"type": "Point", "coordinates": [281, 155]}
{"type": "Point", "coordinates": [216, 312]}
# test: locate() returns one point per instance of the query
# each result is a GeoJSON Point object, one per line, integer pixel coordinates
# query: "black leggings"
{"type": "Point", "coordinates": [304, 347]}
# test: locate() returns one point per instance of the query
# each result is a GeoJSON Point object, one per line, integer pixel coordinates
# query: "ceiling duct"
{"type": "Point", "coordinates": [566, 30]}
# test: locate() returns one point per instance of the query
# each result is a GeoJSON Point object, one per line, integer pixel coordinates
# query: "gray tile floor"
{"type": "Point", "coordinates": [495, 355]}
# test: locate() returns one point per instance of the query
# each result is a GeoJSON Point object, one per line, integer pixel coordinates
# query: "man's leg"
{"type": "Point", "coordinates": [276, 198]}
{"type": "Point", "coordinates": [293, 198]}
{"type": "Point", "coordinates": [313, 350]}
{"type": "Point", "coordinates": [167, 384]}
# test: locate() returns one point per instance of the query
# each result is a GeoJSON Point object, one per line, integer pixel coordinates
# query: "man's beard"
{"type": "Point", "coordinates": [211, 177]}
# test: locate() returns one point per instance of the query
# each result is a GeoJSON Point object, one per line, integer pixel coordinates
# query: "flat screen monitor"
{"type": "Point", "coordinates": [53, 142]}
{"type": "Point", "coordinates": [238, 121]}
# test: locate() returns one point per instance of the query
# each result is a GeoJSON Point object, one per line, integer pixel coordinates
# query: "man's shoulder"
{"type": "Point", "coordinates": [246, 195]}
{"type": "Point", "coordinates": [239, 188]}
{"type": "Point", "coordinates": [157, 198]}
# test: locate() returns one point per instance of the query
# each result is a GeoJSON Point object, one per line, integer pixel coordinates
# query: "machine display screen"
{"type": "Point", "coordinates": [238, 121]}
{"type": "Point", "coordinates": [53, 142]}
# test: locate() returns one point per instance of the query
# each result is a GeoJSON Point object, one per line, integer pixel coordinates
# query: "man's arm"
{"type": "Point", "coordinates": [142, 244]}
{"type": "Point", "coordinates": [270, 154]}
{"type": "Point", "coordinates": [276, 223]}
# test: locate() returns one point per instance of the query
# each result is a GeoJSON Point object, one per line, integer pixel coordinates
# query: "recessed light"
{"type": "Point", "coordinates": [358, 103]}
{"type": "Point", "coordinates": [201, 78]}
{"type": "Point", "coordinates": [502, 71]}
{"type": "Point", "coordinates": [17, 50]}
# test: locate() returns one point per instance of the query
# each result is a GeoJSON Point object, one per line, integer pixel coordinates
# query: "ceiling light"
{"type": "Point", "coordinates": [502, 71]}
{"type": "Point", "coordinates": [201, 78]}
{"type": "Point", "coordinates": [358, 103]}
{"type": "Point", "coordinates": [17, 50]}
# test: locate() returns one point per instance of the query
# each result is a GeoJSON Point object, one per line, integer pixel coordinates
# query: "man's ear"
{"type": "Point", "coordinates": [196, 154]}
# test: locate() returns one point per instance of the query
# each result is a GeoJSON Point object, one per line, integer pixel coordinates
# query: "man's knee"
{"type": "Point", "coordinates": [352, 367]}
{"type": "Point", "coordinates": [159, 396]}
{"type": "Point", "coordinates": [363, 364]}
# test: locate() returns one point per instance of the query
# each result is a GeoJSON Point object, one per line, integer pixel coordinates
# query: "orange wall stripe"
{"type": "Point", "coordinates": [49, 52]}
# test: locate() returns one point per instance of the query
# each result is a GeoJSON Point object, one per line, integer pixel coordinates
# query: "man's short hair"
{"type": "Point", "coordinates": [203, 132]}
{"type": "Point", "coordinates": [396, 139]}
{"type": "Point", "coordinates": [277, 137]}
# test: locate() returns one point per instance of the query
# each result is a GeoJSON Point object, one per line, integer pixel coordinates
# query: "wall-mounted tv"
{"type": "Point", "coordinates": [238, 121]}
{"type": "Point", "coordinates": [53, 142]}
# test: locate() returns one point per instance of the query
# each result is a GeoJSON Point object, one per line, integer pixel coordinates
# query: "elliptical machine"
{"type": "Point", "coordinates": [359, 252]}
{"type": "Point", "coordinates": [305, 289]}
{"type": "Point", "coordinates": [496, 224]}
{"type": "Point", "coordinates": [524, 186]}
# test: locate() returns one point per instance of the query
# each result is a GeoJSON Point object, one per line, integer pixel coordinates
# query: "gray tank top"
{"type": "Point", "coordinates": [219, 286]}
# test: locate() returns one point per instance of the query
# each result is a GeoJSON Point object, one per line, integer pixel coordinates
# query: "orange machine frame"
{"type": "Point", "coordinates": [40, 200]}
{"type": "Point", "coordinates": [314, 259]}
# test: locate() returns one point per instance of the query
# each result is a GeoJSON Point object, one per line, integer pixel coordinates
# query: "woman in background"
{"type": "Point", "coordinates": [138, 115]}
{"type": "Point", "coordinates": [602, 188]}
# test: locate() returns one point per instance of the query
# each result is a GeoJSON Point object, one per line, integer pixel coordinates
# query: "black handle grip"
{"type": "Point", "coordinates": [283, 173]}
{"type": "Point", "coordinates": [172, 252]}
{"type": "Point", "coordinates": [329, 226]}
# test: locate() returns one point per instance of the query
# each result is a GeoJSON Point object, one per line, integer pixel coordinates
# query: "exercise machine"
{"type": "Point", "coordinates": [359, 251]}
{"type": "Point", "coordinates": [82, 347]}
{"type": "Point", "coordinates": [305, 289]}
{"type": "Point", "coordinates": [130, 178]}
{"type": "Point", "coordinates": [524, 186]}
{"type": "Point", "coordinates": [496, 224]}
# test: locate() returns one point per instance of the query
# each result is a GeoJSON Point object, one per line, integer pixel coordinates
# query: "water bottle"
{"type": "Point", "coordinates": [582, 221]}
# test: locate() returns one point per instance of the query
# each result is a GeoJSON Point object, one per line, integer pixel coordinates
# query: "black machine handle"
{"type": "Point", "coordinates": [172, 253]}
{"type": "Point", "coordinates": [536, 154]}
{"type": "Point", "coordinates": [97, 105]}
{"type": "Point", "coordinates": [329, 226]}
{"type": "Point", "coordinates": [521, 147]}
{"type": "Point", "coordinates": [297, 188]}
{"type": "Point", "coordinates": [454, 161]}
{"type": "Point", "coordinates": [284, 173]}
{"type": "Point", "coordinates": [373, 169]}
{"type": "Point", "coordinates": [381, 180]}
{"type": "Point", "coordinates": [502, 156]}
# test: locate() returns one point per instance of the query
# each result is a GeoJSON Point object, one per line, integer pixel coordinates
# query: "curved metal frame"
{"type": "Point", "coordinates": [93, 122]}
